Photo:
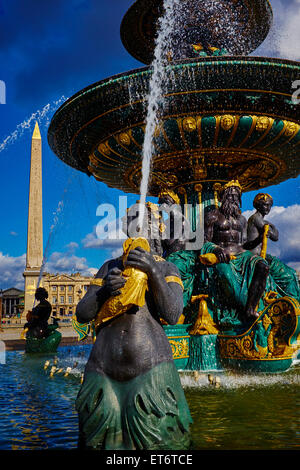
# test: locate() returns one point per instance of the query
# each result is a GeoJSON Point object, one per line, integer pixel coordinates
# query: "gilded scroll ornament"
{"type": "Point", "coordinates": [269, 338]}
{"type": "Point", "coordinates": [291, 128]}
{"type": "Point", "coordinates": [104, 148]}
{"type": "Point", "coordinates": [124, 139]}
{"type": "Point", "coordinates": [180, 348]}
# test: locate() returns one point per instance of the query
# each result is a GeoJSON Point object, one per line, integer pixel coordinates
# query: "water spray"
{"type": "Point", "coordinates": [155, 98]}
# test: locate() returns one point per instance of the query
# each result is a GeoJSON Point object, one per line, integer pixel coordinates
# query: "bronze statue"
{"type": "Point", "coordinates": [37, 318]}
{"type": "Point", "coordinates": [262, 203]}
{"type": "Point", "coordinates": [283, 279]}
{"type": "Point", "coordinates": [131, 396]}
{"type": "Point", "coordinates": [240, 277]}
{"type": "Point", "coordinates": [177, 223]}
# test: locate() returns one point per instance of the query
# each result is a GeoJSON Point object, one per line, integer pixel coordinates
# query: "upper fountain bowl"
{"type": "Point", "coordinates": [236, 27]}
{"type": "Point", "coordinates": [224, 118]}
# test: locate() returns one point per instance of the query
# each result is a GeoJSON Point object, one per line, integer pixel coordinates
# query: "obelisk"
{"type": "Point", "coordinates": [34, 256]}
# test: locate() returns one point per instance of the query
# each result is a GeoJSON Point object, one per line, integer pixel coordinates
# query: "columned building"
{"type": "Point", "coordinates": [65, 291]}
{"type": "Point", "coordinates": [12, 302]}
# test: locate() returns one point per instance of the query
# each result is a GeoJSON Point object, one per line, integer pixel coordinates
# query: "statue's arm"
{"type": "Point", "coordinates": [209, 223]}
{"type": "Point", "coordinates": [273, 233]}
{"type": "Point", "coordinates": [251, 244]}
{"type": "Point", "coordinates": [90, 304]}
{"type": "Point", "coordinates": [167, 291]}
{"type": "Point", "coordinates": [244, 229]}
{"type": "Point", "coordinates": [256, 226]}
{"type": "Point", "coordinates": [35, 312]}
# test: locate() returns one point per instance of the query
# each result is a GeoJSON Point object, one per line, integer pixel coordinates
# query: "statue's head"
{"type": "Point", "coordinates": [144, 222]}
{"type": "Point", "coordinates": [263, 203]}
{"type": "Point", "coordinates": [41, 293]}
{"type": "Point", "coordinates": [168, 197]}
{"type": "Point", "coordinates": [231, 201]}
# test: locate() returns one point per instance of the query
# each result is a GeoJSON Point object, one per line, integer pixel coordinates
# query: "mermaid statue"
{"type": "Point", "coordinates": [37, 318]}
{"type": "Point", "coordinates": [131, 397]}
{"type": "Point", "coordinates": [40, 336]}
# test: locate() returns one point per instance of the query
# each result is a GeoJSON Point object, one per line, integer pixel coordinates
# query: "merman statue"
{"type": "Point", "coordinates": [283, 278]}
{"type": "Point", "coordinates": [131, 397]}
{"type": "Point", "coordinates": [37, 318]}
{"type": "Point", "coordinates": [174, 246]}
{"type": "Point", "coordinates": [238, 279]}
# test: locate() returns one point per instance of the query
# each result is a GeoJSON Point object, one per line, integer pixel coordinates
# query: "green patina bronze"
{"type": "Point", "coordinates": [204, 353]}
{"type": "Point", "coordinates": [49, 344]}
{"type": "Point", "coordinates": [180, 340]}
{"type": "Point", "coordinates": [147, 412]}
{"type": "Point", "coordinates": [284, 279]}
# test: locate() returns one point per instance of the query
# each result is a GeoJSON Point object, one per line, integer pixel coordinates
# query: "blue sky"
{"type": "Point", "coordinates": [49, 50]}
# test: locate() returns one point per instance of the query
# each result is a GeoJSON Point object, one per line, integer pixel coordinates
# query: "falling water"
{"type": "Point", "coordinates": [50, 238]}
{"type": "Point", "coordinates": [166, 25]}
{"type": "Point", "coordinates": [41, 115]}
{"type": "Point", "coordinates": [56, 217]}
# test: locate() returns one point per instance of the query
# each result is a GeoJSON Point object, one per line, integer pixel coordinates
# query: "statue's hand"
{"type": "Point", "coordinates": [114, 281]}
{"type": "Point", "coordinates": [271, 229]}
{"type": "Point", "coordinates": [222, 256]}
{"type": "Point", "coordinates": [141, 259]}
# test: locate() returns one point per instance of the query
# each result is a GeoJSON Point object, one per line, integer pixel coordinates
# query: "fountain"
{"type": "Point", "coordinates": [226, 117]}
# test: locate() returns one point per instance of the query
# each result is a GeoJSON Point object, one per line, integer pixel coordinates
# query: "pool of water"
{"type": "Point", "coordinates": [246, 412]}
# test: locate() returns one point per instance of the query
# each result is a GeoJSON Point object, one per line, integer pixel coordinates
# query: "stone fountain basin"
{"type": "Point", "coordinates": [234, 114]}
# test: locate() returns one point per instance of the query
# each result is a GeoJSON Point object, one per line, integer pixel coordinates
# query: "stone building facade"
{"type": "Point", "coordinates": [65, 291]}
{"type": "Point", "coordinates": [12, 302]}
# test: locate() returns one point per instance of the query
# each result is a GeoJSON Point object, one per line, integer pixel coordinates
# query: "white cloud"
{"type": "Point", "coordinates": [12, 268]}
{"type": "Point", "coordinates": [68, 263]}
{"type": "Point", "coordinates": [248, 214]}
{"type": "Point", "coordinates": [287, 220]}
{"type": "Point", "coordinates": [11, 271]}
{"type": "Point", "coordinates": [112, 238]}
{"type": "Point", "coordinates": [72, 246]}
{"type": "Point", "coordinates": [289, 39]}
{"type": "Point", "coordinates": [284, 36]}
{"type": "Point", "coordinates": [92, 241]}
{"type": "Point", "coordinates": [116, 253]}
